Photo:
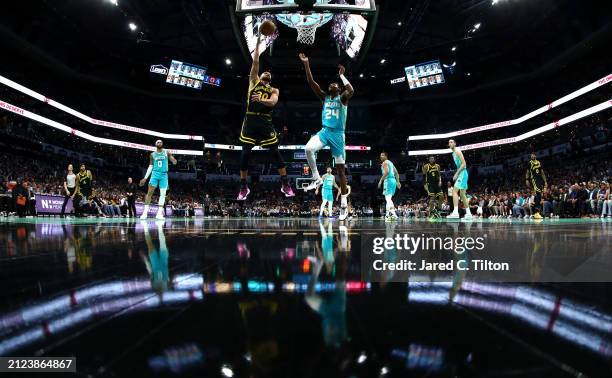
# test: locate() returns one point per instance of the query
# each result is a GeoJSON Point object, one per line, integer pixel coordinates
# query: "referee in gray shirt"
{"type": "Point", "coordinates": [69, 187]}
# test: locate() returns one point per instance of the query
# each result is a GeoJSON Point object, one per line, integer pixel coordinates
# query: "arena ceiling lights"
{"type": "Point", "coordinates": [603, 81]}
{"type": "Point", "coordinates": [518, 138]}
{"type": "Point", "coordinates": [29, 92]}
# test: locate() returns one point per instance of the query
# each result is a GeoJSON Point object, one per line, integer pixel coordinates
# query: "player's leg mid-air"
{"type": "Point", "coordinates": [390, 182]}
{"type": "Point", "coordinates": [461, 182]}
{"type": "Point", "coordinates": [257, 128]}
{"type": "Point", "coordinates": [158, 171]}
{"type": "Point", "coordinates": [335, 104]}
{"type": "Point", "coordinates": [328, 183]}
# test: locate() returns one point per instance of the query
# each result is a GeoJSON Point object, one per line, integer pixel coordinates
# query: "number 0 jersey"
{"type": "Point", "coordinates": [334, 113]}
{"type": "Point", "coordinates": [160, 162]}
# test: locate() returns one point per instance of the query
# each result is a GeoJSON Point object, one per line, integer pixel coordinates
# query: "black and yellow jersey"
{"type": "Point", "coordinates": [257, 108]}
{"type": "Point", "coordinates": [84, 179]}
{"type": "Point", "coordinates": [535, 170]}
{"type": "Point", "coordinates": [432, 173]}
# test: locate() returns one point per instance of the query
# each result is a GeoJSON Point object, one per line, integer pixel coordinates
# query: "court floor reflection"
{"type": "Point", "coordinates": [284, 297]}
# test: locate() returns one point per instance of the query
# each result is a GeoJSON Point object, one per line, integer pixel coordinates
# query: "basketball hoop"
{"type": "Point", "coordinates": [305, 24]}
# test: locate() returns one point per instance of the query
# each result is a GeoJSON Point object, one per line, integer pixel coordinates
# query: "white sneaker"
{"type": "Point", "coordinates": [144, 215]}
{"type": "Point", "coordinates": [314, 184]}
{"type": "Point", "coordinates": [452, 216]}
{"type": "Point", "coordinates": [343, 213]}
{"type": "Point", "coordinates": [160, 215]}
{"type": "Point", "coordinates": [468, 216]}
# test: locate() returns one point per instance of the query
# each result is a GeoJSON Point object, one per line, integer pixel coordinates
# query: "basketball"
{"type": "Point", "coordinates": [267, 28]}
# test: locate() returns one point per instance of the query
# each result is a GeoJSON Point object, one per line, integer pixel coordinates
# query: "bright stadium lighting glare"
{"type": "Point", "coordinates": [361, 76]}
{"type": "Point", "coordinates": [454, 48]}
{"type": "Point", "coordinates": [399, 23]}
{"type": "Point", "coordinates": [132, 26]}
{"type": "Point", "coordinates": [362, 358]}
{"type": "Point", "coordinates": [227, 371]}
{"type": "Point", "coordinates": [114, 2]}
{"type": "Point", "coordinates": [477, 26]}
{"type": "Point", "coordinates": [383, 61]}
{"type": "Point", "coordinates": [228, 61]}
{"type": "Point", "coordinates": [469, 74]}
{"type": "Point", "coordinates": [494, 2]}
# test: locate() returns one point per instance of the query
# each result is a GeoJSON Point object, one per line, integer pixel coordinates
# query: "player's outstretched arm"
{"type": "Point", "coordinates": [348, 87]}
{"type": "Point", "coordinates": [172, 159]}
{"type": "Point", "coordinates": [149, 170]}
{"type": "Point", "coordinates": [397, 177]}
{"type": "Point", "coordinates": [254, 75]}
{"type": "Point", "coordinates": [316, 88]}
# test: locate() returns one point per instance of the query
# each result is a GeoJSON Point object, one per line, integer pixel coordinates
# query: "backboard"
{"type": "Point", "coordinates": [256, 7]}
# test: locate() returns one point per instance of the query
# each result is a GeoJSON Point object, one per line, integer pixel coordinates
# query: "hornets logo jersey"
{"type": "Point", "coordinates": [265, 91]}
{"type": "Point", "coordinates": [328, 182]}
{"type": "Point", "coordinates": [160, 162]}
{"type": "Point", "coordinates": [334, 113]}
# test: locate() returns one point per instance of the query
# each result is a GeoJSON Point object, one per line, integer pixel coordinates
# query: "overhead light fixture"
{"type": "Point", "coordinates": [454, 48]}
{"type": "Point", "coordinates": [227, 371]}
{"type": "Point", "coordinates": [361, 76]}
{"type": "Point", "coordinates": [114, 2]}
{"type": "Point", "coordinates": [469, 74]}
{"type": "Point", "coordinates": [362, 358]}
{"type": "Point", "coordinates": [383, 61]}
{"type": "Point", "coordinates": [494, 2]}
{"type": "Point", "coordinates": [477, 26]}
{"type": "Point", "coordinates": [132, 26]}
{"type": "Point", "coordinates": [399, 23]}
{"type": "Point", "coordinates": [228, 61]}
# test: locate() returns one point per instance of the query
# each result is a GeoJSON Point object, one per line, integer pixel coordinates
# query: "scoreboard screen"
{"type": "Point", "coordinates": [425, 74]}
{"type": "Point", "coordinates": [186, 75]}
{"type": "Point", "coordinates": [190, 76]}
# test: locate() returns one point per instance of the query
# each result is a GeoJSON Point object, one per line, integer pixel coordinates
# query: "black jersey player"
{"type": "Point", "coordinates": [433, 186]}
{"type": "Point", "coordinates": [257, 128]}
{"type": "Point", "coordinates": [536, 178]}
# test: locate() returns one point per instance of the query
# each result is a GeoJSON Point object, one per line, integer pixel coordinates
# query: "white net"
{"type": "Point", "coordinates": [307, 34]}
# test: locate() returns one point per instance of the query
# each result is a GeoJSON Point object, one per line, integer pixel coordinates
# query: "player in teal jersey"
{"type": "Point", "coordinates": [335, 105]}
{"type": "Point", "coordinates": [461, 182]}
{"type": "Point", "coordinates": [390, 181]}
{"type": "Point", "coordinates": [328, 183]}
{"type": "Point", "coordinates": [158, 170]}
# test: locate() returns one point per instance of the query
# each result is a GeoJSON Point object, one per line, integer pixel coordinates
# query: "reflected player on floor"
{"type": "Point", "coordinates": [335, 106]}
{"type": "Point", "coordinates": [158, 170]}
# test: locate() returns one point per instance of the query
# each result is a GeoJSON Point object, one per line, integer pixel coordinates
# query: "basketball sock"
{"type": "Point", "coordinates": [322, 208]}
{"type": "Point", "coordinates": [243, 183]}
{"type": "Point", "coordinates": [162, 199]}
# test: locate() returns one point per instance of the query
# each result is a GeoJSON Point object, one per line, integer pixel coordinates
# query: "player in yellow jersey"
{"type": "Point", "coordinates": [257, 128]}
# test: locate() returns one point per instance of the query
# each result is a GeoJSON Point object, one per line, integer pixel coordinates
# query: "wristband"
{"type": "Point", "coordinates": [345, 81]}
